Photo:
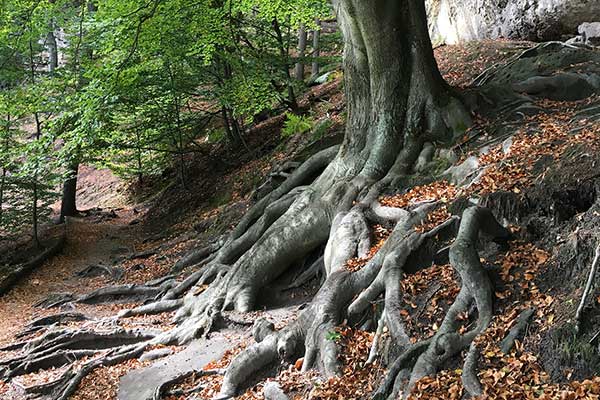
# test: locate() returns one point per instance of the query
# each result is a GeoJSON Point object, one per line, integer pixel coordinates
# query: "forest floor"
{"type": "Point", "coordinates": [543, 186]}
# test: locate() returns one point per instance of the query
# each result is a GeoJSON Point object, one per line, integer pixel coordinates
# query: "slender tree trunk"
{"type": "Point", "coordinates": [68, 207]}
{"type": "Point", "coordinates": [34, 202]}
{"type": "Point", "coordinates": [283, 51]}
{"type": "Point", "coordinates": [302, 37]}
{"type": "Point", "coordinates": [314, 71]}
{"type": "Point", "coordinates": [52, 50]}
{"type": "Point", "coordinates": [4, 172]}
{"type": "Point", "coordinates": [232, 127]}
{"type": "Point", "coordinates": [178, 127]}
{"type": "Point", "coordinates": [138, 155]}
{"type": "Point", "coordinates": [2, 185]}
{"type": "Point", "coordinates": [180, 151]}
{"type": "Point", "coordinates": [38, 134]}
{"type": "Point", "coordinates": [229, 123]}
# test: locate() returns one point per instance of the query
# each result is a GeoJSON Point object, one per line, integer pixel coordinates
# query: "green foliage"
{"type": "Point", "coordinates": [321, 128]}
{"type": "Point", "coordinates": [139, 84]}
{"type": "Point", "coordinates": [296, 124]}
{"type": "Point", "coordinates": [216, 135]}
{"type": "Point", "coordinates": [333, 336]}
{"type": "Point", "coordinates": [221, 198]}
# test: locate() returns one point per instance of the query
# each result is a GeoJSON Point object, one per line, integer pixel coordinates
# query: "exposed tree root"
{"type": "Point", "coordinates": [152, 308]}
{"type": "Point", "coordinates": [476, 287]}
{"type": "Point", "coordinates": [51, 320]}
{"type": "Point", "coordinates": [162, 389]}
{"type": "Point", "coordinates": [279, 231]}
{"type": "Point", "coordinates": [517, 330]}
{"type": "Point", "coordinates": [115, 273]}
{"type": "Point", "coordinates": [196, 256]}
{"type": "Point", "coordinates": [112, 294]}
{"type": "Point", "coordinates": [469, 375]}
{"type": "Point", "coordinates": [272, 391]}
{"type": "Point", "coordinates": [22, 270]}
{"type": "Point", "coordinates": [62, 347]}
{"type": "Point", "coordinates": [337, 299]}
{"type": "Point", "coordinates": [403, 362]}
{"type": "Point", "coordinates": [317, 322]}
{"type": "Point", "coordinates": [316, 268]}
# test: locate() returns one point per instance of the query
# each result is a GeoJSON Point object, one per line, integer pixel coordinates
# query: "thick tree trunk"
{"type": "Point", "coordinates": [396, 101]}
{"type": "Point", "coordinates": [68, 207]}
{"type": "Point", "coordinates": [396, 96]}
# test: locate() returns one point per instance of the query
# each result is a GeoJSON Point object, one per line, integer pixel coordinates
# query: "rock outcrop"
{"type": "Point", "coordinates": [454, 21]}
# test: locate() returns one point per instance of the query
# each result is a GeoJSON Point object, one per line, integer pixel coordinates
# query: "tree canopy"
{"type": "Point", "coordinates": [134, 85]}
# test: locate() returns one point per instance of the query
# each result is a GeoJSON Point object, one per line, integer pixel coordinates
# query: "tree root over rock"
{"type": "Point", "coordinates": [61, 347]}
{"type": "Point", "coordinates": [343, 295]}
{"type": "Point", "coordinates": [381, 274]}
{"type": "Point", "coordinates": [284, 228]}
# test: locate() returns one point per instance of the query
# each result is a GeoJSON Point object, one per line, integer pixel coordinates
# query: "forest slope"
{"type": "Point", "coordinates": [531, 160]}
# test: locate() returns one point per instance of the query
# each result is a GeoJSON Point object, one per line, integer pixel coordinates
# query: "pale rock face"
{"type": "Point", "coordinates": [590, 32]}
{"type": "Point", "coordinates": [454, 21]}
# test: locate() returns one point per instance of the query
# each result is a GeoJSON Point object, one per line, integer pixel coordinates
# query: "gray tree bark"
{"type": "Point", "coordinates": [314, 70]}
{"type": "Point", "coordinates": [396, 101]}
{"type": "Point", "coordinates": [52, 50]}
{"type": "Point", "coordinates": [302, 38]}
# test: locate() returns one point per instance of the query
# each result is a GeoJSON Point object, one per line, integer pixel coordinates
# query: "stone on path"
{"type": "Point", "coordinates": [140, 384]}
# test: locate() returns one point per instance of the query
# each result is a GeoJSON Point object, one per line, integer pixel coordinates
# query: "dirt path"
{"type": "Point", "coordinates": [88, 242]}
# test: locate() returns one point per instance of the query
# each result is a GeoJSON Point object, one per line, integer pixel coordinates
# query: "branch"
{"type": "Point", "coordinates": [587, 289]}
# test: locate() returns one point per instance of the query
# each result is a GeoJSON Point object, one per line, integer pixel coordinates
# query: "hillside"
{"type": "Point", "coordinates": [531, 158]}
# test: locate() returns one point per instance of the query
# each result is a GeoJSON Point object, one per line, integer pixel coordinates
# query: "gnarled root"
{"type": "Point", "coordinates": [280, 230]}
{"type": "Point", "coordinates": [329, 306]}
{"type": "Point", "coordinates": [476, 287]}
{"type": "Point", "coordinates": [302, 228]}
{"type": "Point", "coordinates": [58, 348]}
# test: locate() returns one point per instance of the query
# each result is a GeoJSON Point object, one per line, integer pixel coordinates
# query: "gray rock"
{"type": "Point", "coordinates": [455, 21]}
{"type": "Point", "coordinates": [543, 61]}
{"type": "Point", "coordinates": [575, 40]}
{"type": "Point", "coordinates": [140, 384]}
{"type": "Point", "coordinates": [463, 172]}
{"type": "Point", "coordinates": [448, 154]}
{"type": "Point", "coordinates": [425, 156]}
{"type": "Point", "coordinates": [272, 391]}
{"type": "Point", "coordinates": [590, 33]}
{"type": "Point", "coordinates": [565, 86]}
{"type": "Point", "coordinates": [507, 144]}
{"type": "Point", "coordinates": [323, 78]}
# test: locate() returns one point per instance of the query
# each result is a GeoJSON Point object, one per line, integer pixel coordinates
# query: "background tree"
{"type": "Point", "coordinates": [30, 170]}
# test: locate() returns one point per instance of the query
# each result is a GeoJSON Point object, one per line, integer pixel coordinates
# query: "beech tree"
{"type": "Point", "coordinates": [397, 102]}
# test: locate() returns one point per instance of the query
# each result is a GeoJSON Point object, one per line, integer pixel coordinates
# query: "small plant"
{"type": "Point", "coordinates": [220, 199]}
{"type": "Point", "coordinates": [321, 129]}
{"type": "Point", "coordinates": [296, 124]}
{"type": "Point", "coordinates": [216, 136]}
{"type": "Point", "coordinates": [333, 336]}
